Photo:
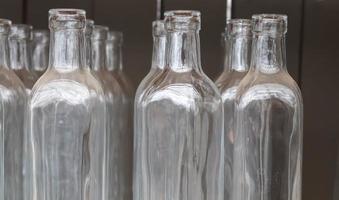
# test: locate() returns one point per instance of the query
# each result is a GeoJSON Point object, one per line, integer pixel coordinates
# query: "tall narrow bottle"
{"type": "Point", "coordinates": [237, 62]}
{"type": "Point", "coordinates": [268, 143]}
{"type": "Point", "coordinates": [40, 51]}
{"type": "Point", "coordinates": [158, 59]}
{"type": "Point", "coordinates": [179, 140]}
{"type": "Point", "coordinates": [12, 109]}
{"type": "Point", "coordinates": [123, 152]}
{"type": "Point", "coordinates": [20, 54]}
{"type": "Point", "coordinates": [66, 118]}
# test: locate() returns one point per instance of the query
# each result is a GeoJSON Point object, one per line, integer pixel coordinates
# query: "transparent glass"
{"type": "Point", "coordinates": [237, 61]}
{"type": "Point", "coordinates": [20, 54]}
{"type": "Point", "coordinates": [12, 109]}
{"type": "Point", "coordinates": [65, 120]}
{"type": "Point", "coordinates": [178, 139]}
{"type": "Point", "coordinates": [158, 58]}
{"type": "Point", "coordinates": [268, 142]}
{"type": "Point", "coordinates": [121, 148]}
{"type": "Point", "coordinates": [40, 51]}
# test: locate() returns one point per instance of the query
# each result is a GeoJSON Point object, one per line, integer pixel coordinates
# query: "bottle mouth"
{"type": "Point", "coordinates": [5, 26]}
{"type": "Point", "coordinates": [89, 24]}
{"type": "Point", "coordinates": [239, 27]}
{"type": "Point", "coordinates": [115, 37]}
{"type": "Point", "coordinates": [67, 18]}
{"type": "Point", "coordinates": [182, 20]}
{"type": "Point", "coordinates": [269, 24]}
{"type": "Point", "coordinates": [41, 36]}
{"type": "Point", "coordinates": [99, 32]}
{"type": "Point", "coordinates": [21, 32]}
{"type": "Point", "coordinates": [159, 28]}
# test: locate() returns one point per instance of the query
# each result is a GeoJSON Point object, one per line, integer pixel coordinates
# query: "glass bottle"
{"type": "Point", "coordinates": [114, 61]}
{"type": "Point", "coordinates": [66, 122]}
{"type": "Point", "coordinates": [237, 61]}
{"type": "Point", "coordinates": [88, 40]}
{"type": "Point", "coordinates": [268, 143]}
{"type": "Point", "coordinates": [40, 51]}
{"type": "Point", "coordinates": [12, 109]}
{"type": "Point", "coordinates": [122, 173]}
{"type": "Point", "coordinates": [179, 139]}
{"type": "Point", "coordinates": [158, 59]}
{"type": "Point", "coordinates": [20, 54]}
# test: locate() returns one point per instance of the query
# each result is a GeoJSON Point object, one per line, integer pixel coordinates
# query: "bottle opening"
{"type": "Point", "coordinates": [21, 32]}
{"type": "Point", "coordinates": [272, 24]}
{"type": "Point", "coordinates": [115, 37]}
{"type": "Point", "coordinates": [159, 28]}
{"type": "Point", "coordinates": [239, 27]}
{"type": "Point", "coordinates": [99, 32]}
{"type": "Point", "coordinates": [5, 26]}
{"type": "Point", "coordinates": [67, 18]}
{"type": "Point", "coordinates": [182, 20]}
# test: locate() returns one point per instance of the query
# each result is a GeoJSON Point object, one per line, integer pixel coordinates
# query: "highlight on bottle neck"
{"type": "Point", "coordinates": [238, 27]}
{"type": "Point", "coordinates": [67, 19]}
{"type": "Point", "coordinates": [89, 28]}
{"type": "Point", "coordinates": [269, 24]}
{"type": "Point", "coordinates": [159, 28]}
{"type": "Point", "coordinates": [41, 36]}
{"type": "Point", "coordinates": [5, 26]}
{"type": "Point", "coordinates": [182, 20]}
{"type": "Point", "coordinates": [113, 50]}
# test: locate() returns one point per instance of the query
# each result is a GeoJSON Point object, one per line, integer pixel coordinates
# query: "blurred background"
{"type": "Point", "coordinates": [312, 54]}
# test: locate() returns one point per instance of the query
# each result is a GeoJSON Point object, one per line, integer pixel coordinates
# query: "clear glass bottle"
{"type": "Point", "coordinates": [237, 62]}
{"type": "Point", "coordinates": [115, 61]}
{"type": "Point", "coordinates": [20, 54]}
{"type": "Point", "coordinates": [158, 58]}
{"type": "Point", "coordinates": [268, 142]}
{"type": "Point", "coordinates": [122, 173]}
{"type": "Point", "coordinates": [12, 108]}
{"type": "Point", "coordinates": [40, 51]}
{"type": "Point", "coordinates": [179, 141]}
{"type": "Point", "coordinates": [66, 121]}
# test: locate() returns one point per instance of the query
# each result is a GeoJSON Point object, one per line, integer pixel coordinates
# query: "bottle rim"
{"type": "Point", "coordinates": [115, 37]}
{"type": "Point", "coordinates": [5, 26]}
{"type": "Point", "coordinates": [99, 32]}
{"type": "Point", "coordinates": [89, 24]}
{"type": "Point", "coordinates": [241, 27]}
{"type": "Point", "coordinates": [270, 24]}
{"type": "Point", "coordinates": [158, 27]}
{"type": "Point", "coordinates": [21, 32]}
{"type": "Point", "coordinates": [182, 20]}
{"type": "Point", "coordinates": [67, 18]}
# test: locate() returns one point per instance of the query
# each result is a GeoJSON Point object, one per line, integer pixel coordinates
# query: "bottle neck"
{"type": "Point", "coordinates": [20, 54]}
{"type": "Point", "coordinates": [237, 56]}
{"type": "Point", "coordinates": [67, 51]}
{"type": "Point", "coordinates": [40, 56]}
{"type": "Point", "coordinates": [88, 49]}
{"type": "Point", "coordinates": [268, 55]}
{"type": "Point", "coordinates": [159, 48]}
{"type": "Point", "coordinates": [183, 51]}
{"type": "Point", "coordinates": [4, 57]}
{"type": "Point", "coordinates": [114, 56]}
{"type": "Point", "coordinates": [98, 55]}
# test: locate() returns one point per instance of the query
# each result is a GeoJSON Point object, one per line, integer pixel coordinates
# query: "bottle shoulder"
{"type": "Point", "coordinates": [228, 82]}
{"type": "Point", "coordinates": [11, 84]}
{"type": "Point", "coordinates": [109, 83]}
{"type": "Point", "coordinates": [263, 87]}
{"type": "Point", "coordinates": [76, 87]}
{"type": "Point", "coordinates": [192, 86]}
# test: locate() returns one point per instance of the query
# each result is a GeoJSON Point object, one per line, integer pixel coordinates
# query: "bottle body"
{"type": "Point", "coordinates": [65, 118]}
{"type": "Point", "coordinates": [178, 141]}
{"type": "Point", "coordinates": [268, 143]}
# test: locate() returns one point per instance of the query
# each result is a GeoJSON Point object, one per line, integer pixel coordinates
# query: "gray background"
{"type": "Point", "coordinates": [312, 53]}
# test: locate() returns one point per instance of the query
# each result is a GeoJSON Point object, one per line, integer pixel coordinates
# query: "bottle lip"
{"type": "Point", "coordinates": [41, 35]}
{"type": "Point", "coordinates": [115, 37]}
{"type": "Point", "coordinates": [271, 24]}
{"type": "Point", "coordinates": [67, 18]}
{"type": "Point", "coordinates": [182, 20]}
{"type": "Point", "coordinates": [99, 32]}
{"type": "Point", "coordinates": [238, 27]}
{"type": "Point", "coordinates": [89, 24]}
{"type": "Point", "coordinates": [159, 28]}
{"type": "Point", "coordinates": [21, 32]}
{"type": "Point", "coordinates": [5, 26]}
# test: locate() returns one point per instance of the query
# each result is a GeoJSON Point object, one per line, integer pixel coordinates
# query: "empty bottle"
{"type": "Point", "coordinates": [12, 109]}
{"type": "Point", "coordinates": [158, 59]}
{"type": "Point", "coordinates": [40, 51]}
{"type": "Point", "coordinates": [20, 54]}
{"type": "Point", "coordinates": [66, 121]}
{"type": "Point", "coordinates": [268, 142]}
{"type": "Point", "coordinates": [237, 61]}
{"type": "Point", "coordinates": [123, 152]}
{"type": "Point", "coordinates": [179, 139]}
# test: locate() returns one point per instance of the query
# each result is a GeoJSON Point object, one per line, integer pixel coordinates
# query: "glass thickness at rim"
{"type": "Point", "coordinates": [183, 20]}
